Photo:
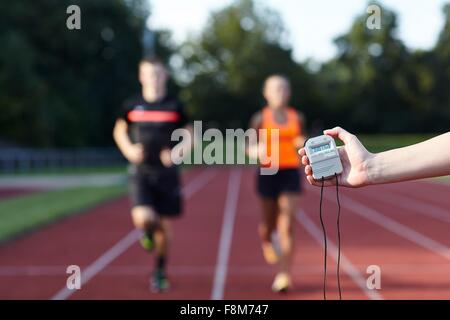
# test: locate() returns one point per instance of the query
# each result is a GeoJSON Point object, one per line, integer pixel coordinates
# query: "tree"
{"type": "Point", "coordinates": [372, 82]}
{"type": "Point", "coordinates": [439, 63]}
{"type": "Point", "coordinates": [62, 87]}
{"type": "Point", "coordinates": [225, 67]}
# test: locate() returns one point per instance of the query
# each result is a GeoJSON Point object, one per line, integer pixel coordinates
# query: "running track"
{"type": "Point", "coordinates": [404, 229]}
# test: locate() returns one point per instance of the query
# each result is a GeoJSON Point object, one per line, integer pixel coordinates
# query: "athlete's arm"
{"type": "Point", "coordinates": [299, 141]}
{"type": "Point", "coordinates": [134, 152]}
{"type": "Point", "coordinates": [427, 159]}
{"type": "Point", "coordinates": [255, 124]}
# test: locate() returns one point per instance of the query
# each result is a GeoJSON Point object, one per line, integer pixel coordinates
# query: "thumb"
{"type": "Point", "coordinates": [341, 134]}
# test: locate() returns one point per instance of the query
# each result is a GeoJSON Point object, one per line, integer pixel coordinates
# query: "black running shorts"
{"type": "Point", "coordinates": [285, 180]}
{"type": "Point", "coordinates": [158, 188]}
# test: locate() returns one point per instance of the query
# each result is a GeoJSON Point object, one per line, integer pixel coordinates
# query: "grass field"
{"type": "Point", "coordinates": [381, 142]}
{"type": "Point", "coordinates": [445, 179]}
{"type": "Point", "coordinates": [23, 213]}
{"type": "Point", "coordinates": [68, 171]}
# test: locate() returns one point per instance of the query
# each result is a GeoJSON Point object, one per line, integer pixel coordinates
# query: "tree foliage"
{"type": "Point", "coordinates": [63, 88]}
{"type": "Point", "coordinates": [376, 84]}
{"type": "Point", "coordinates": [240, 46]}
{"type": "Point", "coordinates": [60, 87]}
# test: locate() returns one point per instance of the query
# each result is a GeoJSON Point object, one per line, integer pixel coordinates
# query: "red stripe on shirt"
{"type": "Point", "coordinates": [153, 116]}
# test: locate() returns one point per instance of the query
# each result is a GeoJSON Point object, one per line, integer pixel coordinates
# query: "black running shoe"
{"type": "Point", "coordinates": [159, 282]}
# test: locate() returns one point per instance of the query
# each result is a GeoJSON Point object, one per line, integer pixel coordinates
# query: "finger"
{"type": "Point", "coordinates": [308, 170]}
{"type": "Point", "coordinates": [311, 180]}
{"type": "Point", "coordinates": [305, 160]}
{"type": "Point", "coordinates": [338, 132]}
{"type": "Point", "coordinates": [302, 152]}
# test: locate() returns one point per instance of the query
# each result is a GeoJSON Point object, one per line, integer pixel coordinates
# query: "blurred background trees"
{"type": "Point", "coordinates": [63, 88]}
{"type": "Point", "coordinates": [226, 65]}
{"type": "Point", "coordinates": [60, 87]}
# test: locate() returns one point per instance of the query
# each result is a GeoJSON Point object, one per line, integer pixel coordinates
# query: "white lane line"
{"type": "Point", "coordinates": [346, 265]}
{"type": "Point", "coordinates": [226, 235]}
{"type": "Point", "coordinates": [195, 270]}
{"type": "Point", "coordinates": [393, 226]}
{"type": "Point", "coordinates": [412, 204]}
{"type": "Point", "coordinates": [198, 183]}
{"type": "Point", "coordinates": [120, 247]}
{"type": "Point", "coordinates": [99, 264]}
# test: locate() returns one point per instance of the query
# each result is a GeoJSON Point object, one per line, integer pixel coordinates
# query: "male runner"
{"type": "Point", "coordinates": [143, 134]}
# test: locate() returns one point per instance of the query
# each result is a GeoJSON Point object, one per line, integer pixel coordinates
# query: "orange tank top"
{"type": "Point", "coordinates": [288, 157]}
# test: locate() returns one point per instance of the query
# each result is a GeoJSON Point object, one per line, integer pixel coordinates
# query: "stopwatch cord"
{"type": "Point", "coordinates": [339, 238]}
{"type": "Point", "coordinates": [325, 244]}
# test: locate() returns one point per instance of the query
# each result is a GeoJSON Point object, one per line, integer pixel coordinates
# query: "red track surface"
{"type": "Point", "coordinates": [401, 228]}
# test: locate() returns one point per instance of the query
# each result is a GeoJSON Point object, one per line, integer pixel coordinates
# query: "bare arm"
{"type": "Point", "coordinates": [133, 152]}
{"type": "Point", "coordinates": [427, 159]}
{"type": "Point", "coordinates": [252, 148]}
{"type": "Point", "coordinates": [299, 141]}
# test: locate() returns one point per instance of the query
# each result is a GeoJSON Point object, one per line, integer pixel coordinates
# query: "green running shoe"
{"type": "Point", "coordinates": [147, 243]}
{"type": "Point", "coordinates": [159, 282]}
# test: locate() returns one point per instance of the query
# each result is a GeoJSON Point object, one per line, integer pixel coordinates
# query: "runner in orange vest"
{"type": "Point", "coordinates": [279, 192]}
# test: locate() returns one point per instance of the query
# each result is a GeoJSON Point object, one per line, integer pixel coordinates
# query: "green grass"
{"type": "Point", "coordinates": [69, 171]}
{"type": "Point", "coordinates": [23, 213]}
{"type": "Point", "coordinates": [445, 179]}
{"type": "Point", "coordinates": [383, 142]}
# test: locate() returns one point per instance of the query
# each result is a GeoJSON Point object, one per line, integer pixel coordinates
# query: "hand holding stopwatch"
{"type": "Point", "coordinates": [323, 157]}
{"type": "Point", "coordinates": [326, 163]}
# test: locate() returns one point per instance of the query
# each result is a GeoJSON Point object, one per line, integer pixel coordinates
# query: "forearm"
{"type": "Point", "coordinates": [121, 137]}
{"type": "Point", "coordinates": [427, 159]}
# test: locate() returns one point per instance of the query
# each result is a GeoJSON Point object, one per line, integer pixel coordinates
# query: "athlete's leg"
{"type": "Point", "coordinates": [287, 204]}
{"type": "Point", "coordinates": [269, 219]}
{"type": "Point", "coordinates": [143, 213]}
{"type": "Point", "coordinates": [266, 227]}
{"type": "Point", "coordinates": [144, 217]}
{"type": "Point", "coordinates": [162, 238]}
{"type": "Point", "coordinates": [162, 235]}
{"type": "Point", "coordinates": [168, 204]}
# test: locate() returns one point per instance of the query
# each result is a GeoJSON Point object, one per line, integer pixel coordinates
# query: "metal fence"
{"type": "Point", "coordinates": [19, 160]}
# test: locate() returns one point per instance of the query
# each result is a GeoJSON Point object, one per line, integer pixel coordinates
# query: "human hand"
{"type": "Point", "coordinates": [166, 157]}
{"type": "Point", "coordinates": [354, 157]}
{"type": "Point", "coordinates": [134, 153]}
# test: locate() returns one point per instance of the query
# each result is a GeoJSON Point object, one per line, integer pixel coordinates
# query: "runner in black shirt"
{"type": "Point", "coordinates": [143, 134]}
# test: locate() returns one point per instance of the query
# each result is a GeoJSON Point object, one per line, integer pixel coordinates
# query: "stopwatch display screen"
{"type": "Point", "coordinates": [321, 147]}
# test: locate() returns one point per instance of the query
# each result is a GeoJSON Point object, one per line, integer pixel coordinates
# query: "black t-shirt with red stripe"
{"type": "Point", "coordinates": [152, 124]}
